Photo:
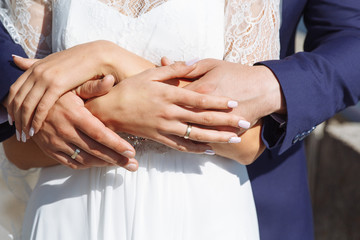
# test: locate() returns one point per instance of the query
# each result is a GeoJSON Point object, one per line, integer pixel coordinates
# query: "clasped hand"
{"type": "Point", "coordinates": [136, 105]}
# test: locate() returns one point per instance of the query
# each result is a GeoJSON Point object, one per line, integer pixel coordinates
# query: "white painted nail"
{"type": "Point", "coordinates": [244, 124]}
{"type": "Point", "coordinates": [31, 132]}
{"type": "Point", "coordinates": [13, 55]}
{"type": "Point", "coordinates": [23, 136]}
{"type": "Point", "coordinates": [209, 152]}
{"type": "Point", "coordinates": [192, 61]}
{"type": "Point", "coordinates": [131, 167]}
{"type": "Point", "coordinates": [17, 135]}
{"type": "Point", "coordinates": [10, 120]}
{"type": "Point", "coordinates": [128, 154]}
{"type": "Point", "coordinates": [232, 104]}
{"type": "Point", "coordinates": [234, 140]}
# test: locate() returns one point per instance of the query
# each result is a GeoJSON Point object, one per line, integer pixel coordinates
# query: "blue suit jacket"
{"type": "Point", "coordinates": [316, 84]}
{"type": "Point", "coordinates": [8, 73]}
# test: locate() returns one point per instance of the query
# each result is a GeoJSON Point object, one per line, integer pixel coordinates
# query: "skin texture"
{"type": "Point", "coordinates": [65, 152]}
{"type": "Point", "coordinates": [256, 88]}
{"type": "Point", "coordinates": [245, 152]}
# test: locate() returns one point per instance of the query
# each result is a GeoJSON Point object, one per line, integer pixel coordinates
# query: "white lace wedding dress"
{"type": "Point", "coordinates": [173, 195]}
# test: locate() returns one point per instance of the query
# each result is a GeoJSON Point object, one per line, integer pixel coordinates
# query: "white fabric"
{"type": "Point", "coordinates": [173, 195]}
{"type": "Point", "coordinates": [15, 189]}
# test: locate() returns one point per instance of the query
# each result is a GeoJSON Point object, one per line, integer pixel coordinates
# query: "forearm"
{"type": "Point", "coordinates": [9, 74]}
{"type": "Point", "coordinates": [324, 79]}
{"type": "Point", "coordinates": [120, 62]}
{"type": "Point", "coordinates": [26, 155]}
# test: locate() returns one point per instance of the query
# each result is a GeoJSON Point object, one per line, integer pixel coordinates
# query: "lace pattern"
{"type": "Point", "coordinates": [251, 31]}
{"type": "Point", "coordinates": [29, 24]}
{"type": "Point", "coordinates": [134, 8]}
{"type": "Point", "coordinates": [251, 26]}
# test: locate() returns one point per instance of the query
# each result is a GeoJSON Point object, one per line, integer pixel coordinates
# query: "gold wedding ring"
{"type": "Point", "coordinates": [188, 131]}
{"type": "Point", "coordinates": [77, 151]}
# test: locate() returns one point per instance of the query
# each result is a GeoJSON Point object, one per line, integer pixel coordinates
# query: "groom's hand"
{"type": "Point", "coordinates": [256, 89]}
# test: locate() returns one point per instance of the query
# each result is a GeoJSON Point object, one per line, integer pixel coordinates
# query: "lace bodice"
{"type": "Point", "coordinates": [242, 31]}
{"type": "Point", "coordinates": [250, 30]}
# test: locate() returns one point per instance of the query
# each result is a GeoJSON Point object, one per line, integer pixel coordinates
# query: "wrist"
{"type": "Point", "coordinates": [274, 100]}
{"type": "Point", "coordinates": [119, 62]}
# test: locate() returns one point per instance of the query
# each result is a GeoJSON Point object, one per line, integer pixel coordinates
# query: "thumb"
{"type": "Point", "coordinates": [166, 61]}
{"type": "Point", "coordinates": [24, 63]}
{"type": "Point", "coordinates": [95, 88]}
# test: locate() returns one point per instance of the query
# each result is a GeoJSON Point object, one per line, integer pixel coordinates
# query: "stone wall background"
{"type": "Point", "coordinates": [334, 178]}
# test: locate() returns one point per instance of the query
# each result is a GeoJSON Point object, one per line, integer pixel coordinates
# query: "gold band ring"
{"type": "Point", "coordinates": [77, 151]}
{"type": "Point", "coordinates": [188, 131]}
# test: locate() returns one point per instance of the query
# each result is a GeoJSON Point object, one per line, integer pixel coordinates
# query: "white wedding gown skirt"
{"type": "Point", "coordinates": [173, 195]}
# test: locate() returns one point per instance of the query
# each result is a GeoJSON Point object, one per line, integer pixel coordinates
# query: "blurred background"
{"type": "Point", "coordinates": [333, 152]}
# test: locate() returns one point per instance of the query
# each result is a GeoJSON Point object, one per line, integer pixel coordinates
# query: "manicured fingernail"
{"type": "Point", "coordinates": [23, 136]}
{"type": "Point", "coordinates": [131, 167]}
{"type": "Point", "coordinates": [234, 140]}
{"type": "Point", "coordinates": [31, 132]}
{"type": "Point", "coordinates": [192, 61]}
{"type": "Point", "coordinates": [13, 55]}
{"type": "Point", "coordinates": [244, 124]}
{"type": "Point", "coordinates": [209, 152]}
{"type": "Point", "coordinates": [10, 120]}
{"type": "Point", "coordinates": [128, 154]}
{"type": "Point", "coordinates": [232, 104]}
{"type": "Point", "coordinates": [17, 135]}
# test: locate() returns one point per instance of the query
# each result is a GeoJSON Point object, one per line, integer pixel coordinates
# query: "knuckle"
{"type": "Point", "coordinates": [17, 102]}
{"type": "Point", "coordinates": [168, 114]}
{"type": "Point", "coordinates": [201, 101]}
{"type": "Point", "coordinates": [72, 165]}
{"type": "Point", "coordinates": [207, 119]}
{"type": "Point", "coordinates": [232, 121]}
{"type": "Point", "coordinates": [197, 137]}
{"type": "Point", "coordinates": [26, 108]}
{"type": "Point", "coordinates": [97, 136]}
{"type": "Point", "coordinates": [163, 126]}
{"type": "Point", "coordinates": [180, 148]}
{"type": "Point", "coordinates": [38, 70]}
{"type": "Point", "coordinates": [41, 108]}
{"type": "Point", "coordinates": [63, 131]}
{"type": "Point", "coordinates": [13, 89]}
{"type": "Point", "coordinates": [55, 143]}
{"type": "Point", "coordinates": [35, 123]}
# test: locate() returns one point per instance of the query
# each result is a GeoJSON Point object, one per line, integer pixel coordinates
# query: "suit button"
{"type": "Point", "coordinates": [296, 139]}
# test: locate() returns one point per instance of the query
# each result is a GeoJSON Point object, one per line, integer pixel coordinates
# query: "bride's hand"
{"type": "Point", "coordinates": [144, 106]}
{"type": "Point", "coordinates": [35, 92]}
{"type": "Point", "coordinates": [70, 126]}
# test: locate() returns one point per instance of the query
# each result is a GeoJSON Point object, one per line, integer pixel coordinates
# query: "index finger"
{"type": "Point", "coordinates": [202, 101]}
{"type": "Point", "coordinates": [95, 129]}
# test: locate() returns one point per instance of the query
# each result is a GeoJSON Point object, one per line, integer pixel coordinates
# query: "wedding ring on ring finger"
{"type": "Point", "coordinates": [76, 152]}
{"type": "Point", "coordinates": [188, 131]}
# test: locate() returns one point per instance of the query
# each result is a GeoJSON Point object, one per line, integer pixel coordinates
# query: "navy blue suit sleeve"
{"type": "Point", "coordinates": [325, 78]}
{"type": "Point", "coordinates": [8, 72]}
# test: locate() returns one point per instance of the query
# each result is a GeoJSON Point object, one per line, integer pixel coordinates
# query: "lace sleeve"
{"type": "Point", "coordinates": [252, 30]}
{"type": "Point", "coordinates": [29, 24]}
